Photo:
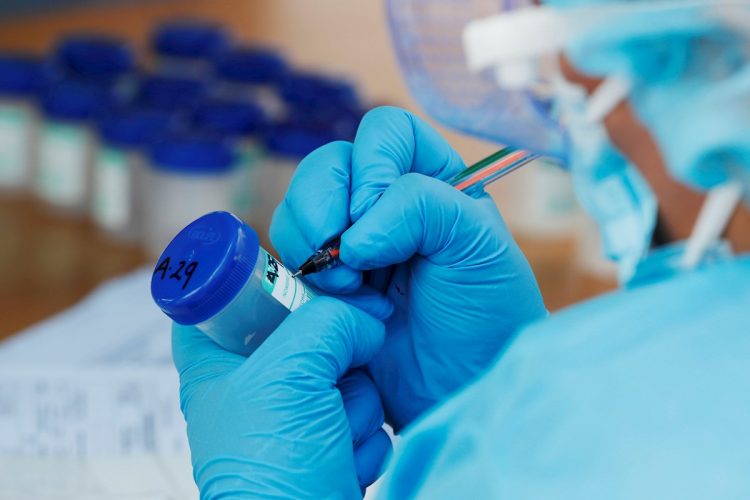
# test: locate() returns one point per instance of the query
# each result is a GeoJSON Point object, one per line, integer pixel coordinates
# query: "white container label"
{"type": "Point", "coordinates": [112, 189]}
{"type": "Point", "coordinates": [62, 164]}
{"type": "Point", "coordinates": [15, 127]}
{"type": "Point", "coordinates": [278, 281]}
{"type": "Point", "coordinates": [241, 187]}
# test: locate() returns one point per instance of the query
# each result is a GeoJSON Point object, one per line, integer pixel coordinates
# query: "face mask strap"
{"type": "Point", "coordinates": [607, 95]}
{"type": "Point", "coordinates": [714, 216]}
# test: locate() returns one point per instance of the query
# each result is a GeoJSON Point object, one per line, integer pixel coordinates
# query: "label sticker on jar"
{"type": "Point", "coordinates": [112, 189]}
{"type": "Point", "coordinates": [278, 281]}
{"type": "Point", "coordinates": [63, 151]}
{"type": "Point", "coordinates": [15, 139]}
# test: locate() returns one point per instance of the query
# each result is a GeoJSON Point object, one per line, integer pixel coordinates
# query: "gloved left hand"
{"type": "Point", "coordinates": [459, 284]}
{"type": "Point", "coordinates": [292, 420]}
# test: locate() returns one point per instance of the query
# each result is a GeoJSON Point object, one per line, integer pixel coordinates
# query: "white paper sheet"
{"type": "Point", "coordinates": [90, 412]}
{"type": "Point", "coordinates": [71, 433]}
{"type": "Point", "coordinates": [147, 477]}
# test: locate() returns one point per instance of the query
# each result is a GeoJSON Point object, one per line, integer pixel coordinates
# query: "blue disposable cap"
{"type": "Point", "coordinates": [251, 65]}
{"type": "Point", "coordinates": [191, 153]}
{"type": "Point", "coordinates": [288, 139]}
{"type": "Point", "coordinates": [204, 267]}
{"type": "Point", "coordinates": [229, 118]}
{"type": "Point", "coordinates": [171, 93]}
{"type": "Point", "coordinates": [20, 74]}
{"type": "Point", "coordinates": [76, 100]}
{"type": "Point", "coordinates": [135, 127]}
{"type": "Point", "coordinates": [189, 38]}
{"type": "Point", "coordinates": [315, 90]}
{"type": "Point", "coordinates": [95, 56]}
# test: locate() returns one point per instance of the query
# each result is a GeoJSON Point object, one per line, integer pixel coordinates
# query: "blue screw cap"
{"type": "Point", "coordinates": [189, 38]}
{"type": "Point", "coordinates": [20, 74]}
{"type": "Point", "coordinates": [204, 267]}
{"type": "Point", "coordinates": [95, 56]}
{"type": "Point", "coordinates": [230, 118]}
{"type": "Point", "coordinates": [254, 65]}
{"type": "Point", "coordinates": [193, 153]}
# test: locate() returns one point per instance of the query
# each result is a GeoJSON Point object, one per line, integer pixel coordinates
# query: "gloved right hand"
{"type": "Point", "coordinates": [460, 284]}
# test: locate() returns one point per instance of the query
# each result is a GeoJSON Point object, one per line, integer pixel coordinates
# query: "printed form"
{"type": "Point", "coordinates": [70, 433]}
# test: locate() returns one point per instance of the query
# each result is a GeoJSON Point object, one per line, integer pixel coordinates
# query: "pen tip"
{"type": "Point", "coordinates": [295, 274]}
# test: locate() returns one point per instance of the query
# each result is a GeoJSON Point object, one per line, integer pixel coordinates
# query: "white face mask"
{"type": "Point", "coordinates": [610, 189]}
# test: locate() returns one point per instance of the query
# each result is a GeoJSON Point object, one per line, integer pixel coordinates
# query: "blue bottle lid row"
{"type": "Point", "coordinates": [342, 122]}
{"type": "Point", "coordinates": [192, 153]}
{"type": "Point", "coordinates": [230, 118]}
{"type": "Point", "coordinates": [171, 93]}
{"type": "Point", "coordinates": [189, 39]}
{"type": "Point", "coordinates": [76, 100]}
{"type": "Point", "coordinates": [20, 74]}
{"type": "Point", "coordinates": [312, 90]}
{"type": "Point", "coordinates": [94, 56]}
{"type": "Point", "coordinates": [136, 127]}
{"type": "Point", "coordinates": [294, 140]}
{"type": "Point", "coordinates": [251, 65]}
{"type": "Point", "coordinates": [204, 267]}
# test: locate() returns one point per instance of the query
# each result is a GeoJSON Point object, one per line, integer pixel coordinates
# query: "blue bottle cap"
{"type": "Point", "coordinates": [341, 122]}
{"type": "Point", "coordinates": [204, 267]}
{"type": "Point", "coordinates": [254, 65]}
{"type": "Point", "coordinates": [171, 93]}
{"type": "Point", "coordinates": [229, 118]}
{"type": "Point", "coordinates": [189, 39]}
{"type": "Point", "coordinates": [20, 74]}
{"type": "Point", "coordinates": [76, 100]}
{"type": "Point", "coordinates": [94, 56]}
{"type": "Point", "coordinates": [314, 90]}
{"type": "Point", "coordinates": [295, 141]}
{"type": "Point", "coordinates": [135, 127]}
{"type": "Point", "coordinates": [192, 154]}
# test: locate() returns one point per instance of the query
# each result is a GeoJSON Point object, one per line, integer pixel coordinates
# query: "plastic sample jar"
{"type": "Point", "coordinates": [285, 144]}
{"type": "Point", "coordinates": [20, 79]}
{"type": "Point", "coordinates": [170, 93]}
{"type": "Point", "coordinates": [188, 175]}
{"type": "Point", "coordinates": [118, 168]}
{"type": "Point", "coordinates": [187, 47]}
{"type": "Point", "coordinates": [251, 73]}
{"type": "Point", "coordinates": [240, 122]}
{"type": "Point", "coordinates": [66, 143]}
{"type": "Point", "coordinates": [216, 276]}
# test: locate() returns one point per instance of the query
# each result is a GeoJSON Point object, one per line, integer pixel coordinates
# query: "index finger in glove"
{"type": "Point", "coordinates": [391, 142]}
{"type": "Point", "coordinates": [315, 210]}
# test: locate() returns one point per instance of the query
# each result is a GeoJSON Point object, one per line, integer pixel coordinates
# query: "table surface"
{"type": "Point", "coordinates": [48, 262]}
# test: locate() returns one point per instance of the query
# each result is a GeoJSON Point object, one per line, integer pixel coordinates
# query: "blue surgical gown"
{"type": "Point", "coordinates": [643, 393]}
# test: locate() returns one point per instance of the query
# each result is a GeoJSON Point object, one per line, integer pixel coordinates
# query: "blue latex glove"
{"type": "Point", "coordinates": [277, 424]}
{"type": "Point", "coordinates": [460, 285]}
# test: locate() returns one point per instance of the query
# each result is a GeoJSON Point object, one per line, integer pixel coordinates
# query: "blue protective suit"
{"type": "Point", "coordinates": [642, 393]}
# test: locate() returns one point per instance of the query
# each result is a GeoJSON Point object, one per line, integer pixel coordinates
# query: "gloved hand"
{"type": "Point", "coordinates": [461, 287]}
{"type": "Point", "coordinates": [277, 424]}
